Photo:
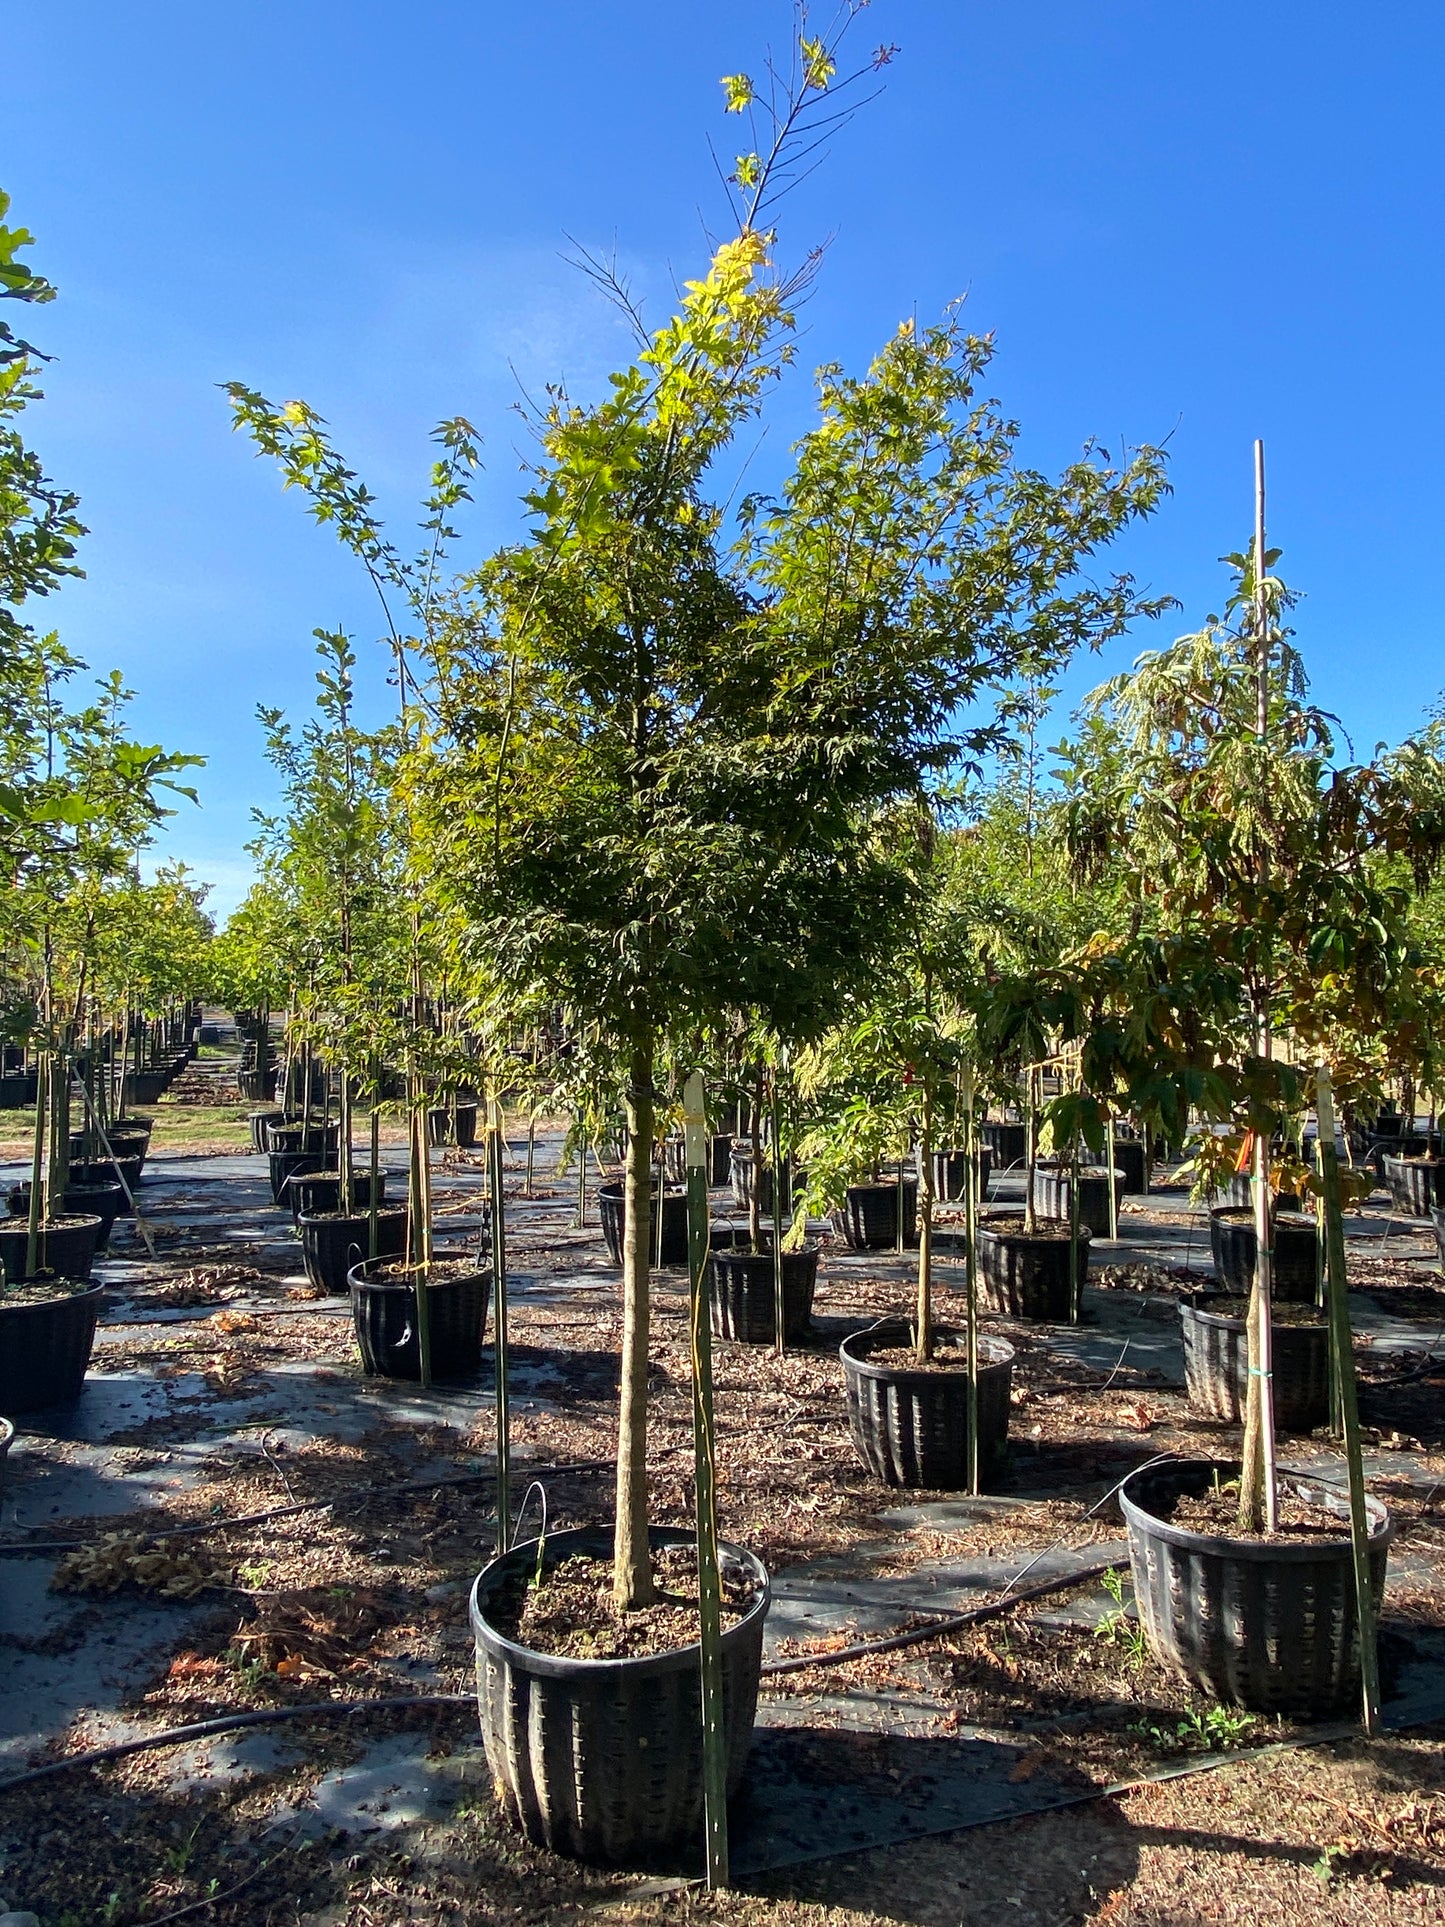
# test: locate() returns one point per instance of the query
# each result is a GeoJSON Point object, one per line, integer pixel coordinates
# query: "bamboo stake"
{"type": "Point", "coordinates": [779, 1327]}
{"type": "Point", "coordinates": [1344, 1374]}
{"type": "Point", "coordinates": [970, 1259]}
{"type": "Point", "coordinates": [709, 1587]}
{"type": "Point", "coordinates": [502, 1363]}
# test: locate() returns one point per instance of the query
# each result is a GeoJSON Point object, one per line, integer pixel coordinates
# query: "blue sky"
{"type": "Point", "coordinates": [1197, 222]}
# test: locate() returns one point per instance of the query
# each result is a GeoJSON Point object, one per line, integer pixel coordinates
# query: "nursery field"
{"type": "Point", "coordinates": [232, 1520]}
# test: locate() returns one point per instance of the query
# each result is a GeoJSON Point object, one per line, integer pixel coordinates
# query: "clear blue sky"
{"type": "Point", "coordinates": [1205, 222]}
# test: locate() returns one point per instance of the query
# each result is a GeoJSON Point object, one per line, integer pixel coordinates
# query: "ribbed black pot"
{"type": "Point", "coordinates": [601, 1759]}
{"type": "Point", "coordinates": [740, 1172]}
{"type": "Point", "coordinates": [1028, 1277]}
{"type": "Point", "coordinates": [332, 1246]}
{"type": "Point", "coordinates": [869, 1218]}
{"type": "Point", "coordinates": [1053, 1188]}
{"type": "Point", "coordinates": [45, 1348]}
{"type": "Point", "coordinates": [949, 1168]}
{"type": "Point", "coordinates": [911, 1427]}
{"type": "Point", "coordinates": [312, 1193]}
{"type": "Point", "coordinates": [1006, 1138]}
{"type": "Point", "coordinates": [384, 1318]}
{"type": "Point", "coordinates": [1239, 1194]}
{"type": "Point", "coordinates": [1438, 1219]}
{"type": "Point", "coordinates": [719, 1159]}
{"type": "Point", "coordinates": [741, 1298]}
{"type": "Point", "coordinates": [1417, 1185]}
{"type": "Point", "coordinates": [261, 1122]}
{"type": "Point", "coordinates": [442, 1128]}
{"type": "Point", "coordinates": [612, 1211]}
{"type": "Point", "coordinates": [1271, 1625]}
{"type": "Point", "coordinates": [1129, 1161]}
{"type": "Point", "coordinates": [286, 1165]}
{"type": "Point", "coordinates": [67, 1247]}
{"type": "Point", "coordinates": [1295, 1274]}
{"type": "Point", "coordinates": [103, 1199]}
{"type": "Point", "coordinates": [145, 1087]}
{"type": "Point", "coordinates": [109, 1171]}
{"type": "Point", "coordinates": [7, 1439]}
{"type": "Point", "coordinates": [17, 1090]}
{"type": "Point", "coordinates": [1216, 1364]}
{"type": "Point", "coordinates": [292, 1136]}
{"type": "Point", "coordinates": [256, 1085]}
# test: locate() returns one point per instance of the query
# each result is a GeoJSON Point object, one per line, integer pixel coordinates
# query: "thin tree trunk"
{"type": "Point", "coordinates": [632, 1570]}
{"type": "Point", "coordinates": [923, 1314]}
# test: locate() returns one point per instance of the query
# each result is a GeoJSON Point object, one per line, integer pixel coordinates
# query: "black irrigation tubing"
{"type": "Point", "coordinates": [334, 1709]}
{"type": "Point", "coordinates": [938, 1628]}
{"type": "Point", "coordinates": [232, 1723]}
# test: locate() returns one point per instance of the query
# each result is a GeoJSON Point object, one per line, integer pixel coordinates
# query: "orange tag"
{"type": "Point", "coordinates": [1246, 1155]}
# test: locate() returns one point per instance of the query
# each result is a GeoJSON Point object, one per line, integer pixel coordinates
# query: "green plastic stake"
{"type": "Point", "coordinates": [709, 1585]}
{"type": "Point", "coordinates": [1344, 1363]}
{"type": "Point", "coordinates": [779, 1327]}
{"type": "Point", "coordinates": [499, 1331]}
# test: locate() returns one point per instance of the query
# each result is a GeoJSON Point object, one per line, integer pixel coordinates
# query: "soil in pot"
{"type": "Point", "coordinates": [383, 1313]}
{"type": "Point", "coordinates": [1026, 1274]}
{"type": "Point", "coordinates": [1295, 1274]}
{"type": "Point", "coordinates": [47, 1332]}
{"type": "Point", "coordinates": [909, 1423]}
{"type": "Point", "coordinates": [573, 1616]}
{"type": "Point", "coordinates": [741, 1299]}
{"type": "Point", "coordinates": [1216, 1359]}
{"type": "Point", "coordinates": [333, 1243]}
{"type": "Point", "coordinates": [67, 1246]}
{"type": "Point", "coordinates": [1267, 1623]}
{"type": "Point", "coordinates": [611, 1208]}
{"type": "Point", "coordinates": [102, 1198]}
{"type": "Point", "coordinates": [868, 1220]}
{"type": "Point", "coordinates": [625, 1784]}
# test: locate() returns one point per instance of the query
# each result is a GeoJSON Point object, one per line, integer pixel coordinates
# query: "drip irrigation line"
{"type": "Point", "coordinates": [233, 1723]}
{"type": "Point", "coordinates": [948, 1623]}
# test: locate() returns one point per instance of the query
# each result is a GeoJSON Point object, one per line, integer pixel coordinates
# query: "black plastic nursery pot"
{"type": "Point", "coordinates": [312, 1193]}
{"type": "Point", "coordinates": [1267, 1624]}
{"type": "Point", "coordinates": [1437, 1218]}
{"type": "Point", "coordinates": [719, 1159]}
{"type": "Point", "coordinates": [145, 1087]}
{"type": "Point", "coordinates": [45, 1348]}
{"type": "Point", "coordinates": [67, 1246]}
{"type": "Point", "coordinates": [1007, 1138]}
{"type": "Point", "coordinates": [261, 1122]}
{"type": "Point", "coordinates": [611, 1208]}
{"type": "Point", "coordinates": [741, 1287]}
{"type": "Point", "coordinates": [910, 1425]}
{"type": "Point", "coordinates": [1216, 1362]}
{"type": "Point", "coordinates": [108, 1171]}
{"type": "Point", "coordinates": [102, 1198]}
{"type": "Point", "coordinates": [868, 1219]}
{"type": "Point", "coordinates": [950, 1168]}
{"type": "Point", "coordinates": [740, 1174]}
{"type": "Point", "coordinates": [333, 1245]}
{"type": "Point", "coordinates": [7, 1439]}
{"type": "Point", "coordinates": [601, 1759]}
{"type": "Point", "coordinates": [383, 1313]}
{"type": "Point", "coordinates": [283, 1166]}
{"type": "Point", "coordinates": [1416, 1185]}
{"type": "Point", "coordinates": [1294, 1278]}
{"type": "Point", "coordinates": [1053, 1190]}
{"type": "Point", "coordinates": [294, 1136]}
{"type": "Point", "coordinates": [1239, 1193]}
{"type": "Point", "coordinates": [1130, 1161]}
{"type": "Point", "coordinates": [1026, 1274]}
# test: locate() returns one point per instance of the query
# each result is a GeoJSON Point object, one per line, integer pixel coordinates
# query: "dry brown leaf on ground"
{"type": "Point", "coordinates": [130, 1559]}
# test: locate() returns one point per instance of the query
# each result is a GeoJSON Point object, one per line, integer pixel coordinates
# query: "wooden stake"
{"type": "Point", "coordinates": [495, 1147]}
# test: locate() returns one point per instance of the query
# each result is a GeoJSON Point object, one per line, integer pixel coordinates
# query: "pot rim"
{"type": "Point", "coordinates": [1244, 1213]}
{"type": "Point", "coordinates": [354, 1280]}
{"type": "Point", "coordinates": [62, 1221]}
{"type": "Point", "coordinates": [93, 1289]}
{"type": "Point", "coordinates": [1054, 1231]}
{"type": "Point", "coordinates": [633, 1666]}
{"type": "Point", "coordinates": [350, 1217]}
{"type": "Point", "coordinates": [894, 1330]}
{"type": "Point", "coordinates": [1260, 1551]}
{"type": "Point", "coordinates": [1194, 1304]}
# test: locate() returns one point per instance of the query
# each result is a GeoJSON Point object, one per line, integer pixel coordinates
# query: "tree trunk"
{"type": "Point", "coordinates": [923, 1315]}
{"type": "Point", "coordinates": [632, 1570]}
